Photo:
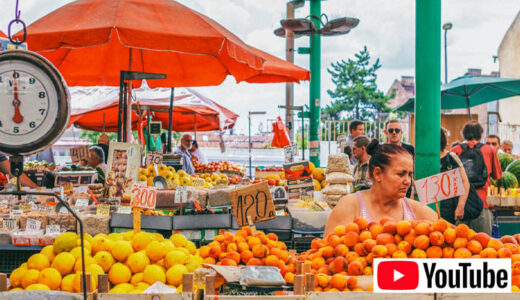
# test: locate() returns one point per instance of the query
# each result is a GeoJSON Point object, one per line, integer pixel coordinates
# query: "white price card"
{"type": "Point", "coordinates": [154, 158]}
{"type": "Point", "coordinates": [16, 213]}
{"type": "Point", "coordinates": [440, 186]}
{"type": "Point", "coordinates": [33, 225]}
{"type": "Point", "coordinates": [82, 189]}
{"type": "Point", "coordinates": [124, 209]}
{"type": "Point", "coordinates": [82, 202]}
{"type": "Point", "coordinates": [4, 203]}
{"type": "Point", "coordinates": [52, 229]}
{"type": "Point", "coordinates": [45, 208]}
{"type": "Point", "coordinates": [181, 194]}
{"type": "Point", "coordinates": [9, 223]}
{"type": "Point", "coordinates": [144, 196]}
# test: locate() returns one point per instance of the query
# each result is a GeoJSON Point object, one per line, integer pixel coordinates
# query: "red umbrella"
{"type": "Point", "coordinates": [90, 41]}
{"type": "Point", "coordinates": [3, 35]}
{"type": "Point", "coordinates": [183, 116]}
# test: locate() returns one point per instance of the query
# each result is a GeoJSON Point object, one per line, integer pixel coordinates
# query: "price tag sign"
{"type": "Point", "coordinates": [82, 189]}
{"type": "Point", "coordinates": [221, 183]}
{"type": "Point", "coordinates": [290, 152]}
{"type": "Point", "coordinates": [154, 158]}
{"type": "Point", "coordinates": [45, 208]}
{"type": "Point", "coordinates": [144, 196]}
{"type": "Point", "coordinates": [4, 203]}
{"type": "Point", "coordinates": [82, 202]}
{"type": "Point", "coordinates": [30, 199]}
{"type": "Point", "coordinates": [181, 194]}
{"type": "Point", "coordinates": [253, 201]}
{"type": "Point", "coordinates": [52, 229]}
{"type": "Point", "coordinates": [198, 183]}
{"type": "Point", "coordinates": [33, 225]}
{"type": "Point", "coordinates": [9, 223]}
{"type": "Point", "coordinates": [78, 153]}
{"type": "Point", "coordinates": [103, 210]}
{"type": "Point", "coordinates": [124, 210]}
{"type": "Point", "coordinates": [440, 186]}
{"type": "Point", "coordinates": [16, 213]}
{"type": "Point", "coordinates": [25, 207]}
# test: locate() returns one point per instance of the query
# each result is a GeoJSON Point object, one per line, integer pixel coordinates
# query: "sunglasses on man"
{"type": "Point", "coordinates": [392, 130]}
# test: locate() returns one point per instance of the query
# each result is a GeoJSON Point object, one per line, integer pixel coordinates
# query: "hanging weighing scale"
{"type": "Point", "coordinates": [35, 113]}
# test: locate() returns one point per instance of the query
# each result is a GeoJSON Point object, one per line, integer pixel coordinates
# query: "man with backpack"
{"type": "Point", "coordinates": [480, 161]}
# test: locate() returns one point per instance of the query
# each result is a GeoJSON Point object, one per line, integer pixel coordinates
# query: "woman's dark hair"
{"type": "Point", "coordinates": [444, 139]}
{"type": "Point", "coordinates": [194, 143]}
{"type": "Point", "coordinates": [381, 155]}
{"type": "Point", "coordinates": [472, 131]}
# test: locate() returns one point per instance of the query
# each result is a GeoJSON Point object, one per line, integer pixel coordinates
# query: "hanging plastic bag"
{"type": "Point", "coordinates": [281, 136]}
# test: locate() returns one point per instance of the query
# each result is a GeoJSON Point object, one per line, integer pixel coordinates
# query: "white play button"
{"type": "Point", "coordinates": [397, 275]}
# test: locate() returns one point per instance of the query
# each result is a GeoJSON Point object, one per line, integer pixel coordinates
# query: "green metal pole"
{"type": "Point", "coordinates": [428, 78]}
{"type": "Point", "coordinates": [315, 86]}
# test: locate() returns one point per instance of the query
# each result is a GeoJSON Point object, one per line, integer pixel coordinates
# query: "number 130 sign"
{"type": "Point", "coordinates": [143, 196]}
{"type": "Point", "coordinates": [440, 186]}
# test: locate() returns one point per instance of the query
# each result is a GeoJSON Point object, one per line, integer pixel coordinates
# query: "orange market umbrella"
{"type": "Point", "coordinates": [3, 35]}
{"type": "Point", "coordinates": [278, 70]}
{"type": "Point", "coordinates": [91, 41]}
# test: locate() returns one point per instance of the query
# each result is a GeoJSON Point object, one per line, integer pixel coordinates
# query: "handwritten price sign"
{"type": "Point", "coordinates": [440, 186]}
{"type": "Point", "coordinates": [154, 158]}
{"type": "Point", "coordinates": [78, 153]}
{"type": "Point", "coordinates": [144, 196]}
{"type": "Point", "coordinates": [252, 202]}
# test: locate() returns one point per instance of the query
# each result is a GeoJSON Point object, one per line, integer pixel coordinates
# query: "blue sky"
{"type": "Point", "coordinates": [386, 27]}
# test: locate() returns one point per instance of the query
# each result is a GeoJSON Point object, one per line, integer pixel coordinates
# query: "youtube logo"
{"type": "Point", "coordinates": [442, 276]}
{"type": "Point", "coordinates": [398, 275]}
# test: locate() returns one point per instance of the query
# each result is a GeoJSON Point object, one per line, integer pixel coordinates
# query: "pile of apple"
{"type": "Point", "coordinates": [222, 166]}
{"type": "Point", "coordinates": [351, 248]}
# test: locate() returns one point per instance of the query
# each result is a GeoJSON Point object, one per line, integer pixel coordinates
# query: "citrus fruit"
{"type": "Point", "coordinates": [122, 250]}
{"type": "Point", "coordinates": [155, 250]}
{"type": "Point", "coordinates": [175, 257]}
{"type": "Point", "coordinates": [50, 277]}
{"type": "Point", "coordinates": [65, 242]}
{"type": "Point", "coordinates": [153, 273]}
{"type": "Point", "coordinates": [174, 274]}
{"type": "Point", "coordinates": [104, 259]}
{"type": "Point", "coordinates": [30, 277]}
{"type": "Point", "coordinates": [67, 283]}
{"type": "Point", "coordinates": [38, 286]}
{"type": "Point", "coordinates": [16, 277]}
{"type": "Point", "coordinates": [49, 252]}
{"type": "Point", "coordinates": [64, 263]}
{"type": "Point", "coordinates": [119, 273]}
{"type": "Point", "coordinates": [38, 261]}
{"type": "Point", "coordinates": [141, 240]}
{"type": "Point", "coordinates": [178, 240]}
{"type": "Point", "coordinates": [137, 262]}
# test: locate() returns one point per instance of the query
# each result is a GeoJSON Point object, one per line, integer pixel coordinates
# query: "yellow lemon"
{"type": "Point", "coordinates": [155, 251]}
{"type": "Point", "coordinates": [119, 273]}
{"type": "Point", "coordinates": [168, 245]}
{"type": "Point", "coordinates": [197, 258]}
{"type": "Point", "coordinates": [64, 263]}
{"type": "Point", "coordinates": [142, 285]}
{"type": "Point", "coordinates": [127, 235]}
{"type": "Point", "coordinates": [135, 291]}
{"type": "Point", "coordinates": [76, 252]}
{"type": "Point", "coordinates": [67, 283]}
{"type": "Point", "coordinates": [115, 237]}
{"type": "Point", "coordinates": [174, 274]}
{"type": "Point", "coordinates": [191, 247]}
{"type": "Point", "coordinates": [122, 250]}
{"type": "Point", "coordinates": [50, 277]}
{"type": "Point", "coordinates": [141, 240]}
{"type": "Point", "coordinates": [158, 237]}
{"type": "Point", "coordinates": [85, 242]}
{"type": "Point", "coordinates": [193, 265]}
{"type": "Point", "coordinates": [125, 287]}
{"type": "Point", "coordinates": [99, 243]}
{"type": "Point", "coordinates": [49, 252]}
{"type": "Point", "coordinates": [95, 270]}
{"type": "Point", "coordinates": [136, 278]}
{"type": "Point", "coordinates": [65, 242]}
{"type": "Point", "coordinates": [16, 277]}
{"type": "Point", "coordinates": [153, 273]}
{"type": "Point", "coordinates": [116, 291]}
{"type": "Point", "coordinates": [30, 277]}
{"type": "Point", "coordinates": [24, 265]}
{"type": "Point", "coordinates": [88, 261]}
{"type": "Point", "coordinates": [175, 257]}
{"type": "Point", "coordinates": [137, 262]}
{"type": "Point", "coordinates": [183, 250]}
{"type": "Point", "coordinates": [38, 261]}
{"type": "Point", "coordinates": [178, 240]}
{"type": "Point", "coordinates": [38, 286]}
{"type": "Point", "coordinates": [20, 289]}
{"type": "Point", "coordinates": [104, 259]}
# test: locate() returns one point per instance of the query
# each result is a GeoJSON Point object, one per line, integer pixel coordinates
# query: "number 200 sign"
{"type": "Point", "coordinates": [144, 196]}
{"type": "Point", "coordinates": [440, 186]}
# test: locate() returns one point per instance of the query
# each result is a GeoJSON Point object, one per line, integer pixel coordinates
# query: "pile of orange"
{"type": "Point", "coordinates": [247, 249]}
{"type": "Point", "coordinates": [351, 248]}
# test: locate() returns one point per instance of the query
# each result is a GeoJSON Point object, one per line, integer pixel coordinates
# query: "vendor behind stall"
{"type": "Point", "coordinates": [96, 160]}
{"type": "Point", "coordinates": [390, 169]}
{"type": "Point", "coordinates": [183, 150]}
{"type": "Point", "coordinates": [5, 167]}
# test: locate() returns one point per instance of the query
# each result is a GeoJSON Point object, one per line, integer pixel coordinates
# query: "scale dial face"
{"type": "Point", "coordinates": [34, 102]}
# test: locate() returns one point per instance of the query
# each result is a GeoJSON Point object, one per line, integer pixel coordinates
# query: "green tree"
{"type": "Point", "coordinates": [356, 94]}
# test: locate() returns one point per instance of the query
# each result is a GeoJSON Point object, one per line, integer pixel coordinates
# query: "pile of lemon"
{"type": "Point", "coordinates": [180, 178]}
{"type": "Point", "coordinates": [133, 262]}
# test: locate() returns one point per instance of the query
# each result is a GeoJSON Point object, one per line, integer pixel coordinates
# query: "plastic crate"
{"type": "Point", "coordinates": [12, 259]}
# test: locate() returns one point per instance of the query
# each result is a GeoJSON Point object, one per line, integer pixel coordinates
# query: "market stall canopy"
{"type": "Point", "coordinates": [89, 104]}
{"type": "Point", "coordinates": [278, 70]}
{"type": "Point", "coordinates": [91, 41]}
{"type": "Point", "coordinates": [3, 35]}
{"type": "Point", "coordinates": [469, 91]}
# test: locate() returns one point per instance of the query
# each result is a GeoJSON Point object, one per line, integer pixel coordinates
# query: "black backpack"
{"type": "Point", "coordinates": [474, 164]}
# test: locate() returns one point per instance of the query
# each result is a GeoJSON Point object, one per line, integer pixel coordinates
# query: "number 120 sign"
{"type": "Point", "coordinates": [144, 196]}
{"type": "Point", "coordinates": [440, 186]}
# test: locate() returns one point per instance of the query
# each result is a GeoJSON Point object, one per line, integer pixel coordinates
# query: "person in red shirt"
{"type": "Point", "coordinates": [472, 133]}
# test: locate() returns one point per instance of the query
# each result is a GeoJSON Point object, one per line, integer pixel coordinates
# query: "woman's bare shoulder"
{"type": "Point", "coordinates": [348, 202]}
{"type": "Point", "coordinates": [422, 212]}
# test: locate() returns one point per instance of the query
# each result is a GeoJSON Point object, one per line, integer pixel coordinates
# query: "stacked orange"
{"type": "Point", "coordinates": [351, 248]}
{"type": "Point", "coordinates": [247, 249]}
